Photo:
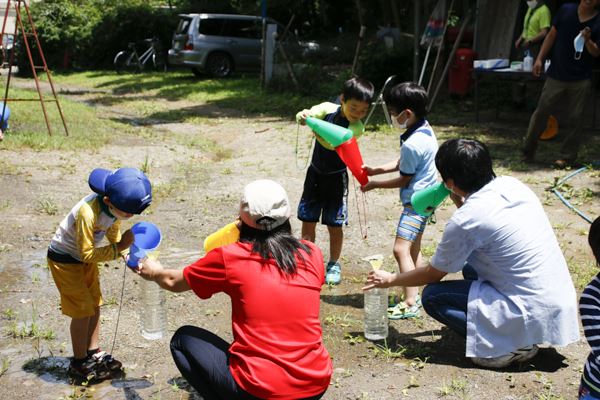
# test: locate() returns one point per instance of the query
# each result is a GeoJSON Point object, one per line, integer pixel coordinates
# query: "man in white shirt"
{"type": "Point", "coordinates": [517, 292]}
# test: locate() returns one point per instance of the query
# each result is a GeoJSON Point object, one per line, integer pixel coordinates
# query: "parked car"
{"type": "Point", "coordinates": [217, 44]}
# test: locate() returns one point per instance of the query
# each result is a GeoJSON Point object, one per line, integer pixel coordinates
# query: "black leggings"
{"type": "Point", "coordinates": [203, 359]}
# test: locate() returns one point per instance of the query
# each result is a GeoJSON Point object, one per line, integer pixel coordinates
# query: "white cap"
{"type": "Point", "coordinates": [264, 205]}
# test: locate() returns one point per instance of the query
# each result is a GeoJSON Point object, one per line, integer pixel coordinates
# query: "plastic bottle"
{"type": "Point", "coordinates": [376, 319]}
{"type": "Point", "coordinates": [528, 62]}
{"type": "Point", "coordinates": [153, 313]}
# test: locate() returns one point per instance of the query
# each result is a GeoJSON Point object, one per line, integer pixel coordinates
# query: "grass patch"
{"type": "Point", "coordinates": [241, 93]}
{"type": "Point", "coordinates": [26, 331]}
{"type": "Point", "coordinates": [28, 127]}
{"type": "Point", "coordinates": [47, 205]}
{"type": "Point", "coordinates": [582, 272]}
{"type": "Point", "coordinates": [457, 387]}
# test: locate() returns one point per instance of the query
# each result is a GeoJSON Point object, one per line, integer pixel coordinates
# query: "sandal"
{"type": "Point", "coordinates": [404, 311]}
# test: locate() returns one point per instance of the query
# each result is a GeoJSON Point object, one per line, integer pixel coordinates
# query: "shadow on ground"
{"type": "Point", "coordinates": [449, 349]}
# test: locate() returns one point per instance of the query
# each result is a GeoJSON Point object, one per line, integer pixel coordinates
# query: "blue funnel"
{"type": "Point", "coordinates": [146, 239]}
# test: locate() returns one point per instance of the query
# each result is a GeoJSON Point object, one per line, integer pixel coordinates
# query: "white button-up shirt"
{"type": "Point", "coordinates": [524, 294]}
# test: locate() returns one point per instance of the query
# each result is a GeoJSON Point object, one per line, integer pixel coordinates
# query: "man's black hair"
{"type": "Point", "coordinates": [358, 89]}
{"type": "Point", "coordinates": [467, 162]}
{"type": "Point", "coordinates": [407, 95]}
{"type": "Point", "coordinates": [594, 239]}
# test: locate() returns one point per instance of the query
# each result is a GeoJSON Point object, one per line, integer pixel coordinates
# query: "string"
{"type": "Point", "coordinates": [119, 312]}
{"type": "Point", "coordinates": [362, 214]}
{"type": "Point", "coordinates": [301, 168]}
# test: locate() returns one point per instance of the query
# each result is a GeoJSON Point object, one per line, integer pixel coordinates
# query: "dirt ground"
{"type": "Point", "coordinates": [197, 191]}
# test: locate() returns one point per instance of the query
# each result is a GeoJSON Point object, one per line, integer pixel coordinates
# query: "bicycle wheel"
{"type": "Point", "coordinates": [158, 60]}
{"type": "Point", "coordinates": [124, 62]}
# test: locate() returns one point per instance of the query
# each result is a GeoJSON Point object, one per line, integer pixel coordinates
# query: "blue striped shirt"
{"type": "Point", "coordinates": [589, 310]}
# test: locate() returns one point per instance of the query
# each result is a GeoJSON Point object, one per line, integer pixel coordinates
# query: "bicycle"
{"type": "Point", "coordinates": [129, 60]}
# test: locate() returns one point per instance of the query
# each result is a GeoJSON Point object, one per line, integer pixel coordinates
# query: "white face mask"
{"type": "Point", "coordinates": [532, 3]}
{"type": "Point", "coordinates": [398, 125]}
{"type": "Point", "coordinates": [578, 43]}
{"type": "Point", "coordinates": [117, 214]}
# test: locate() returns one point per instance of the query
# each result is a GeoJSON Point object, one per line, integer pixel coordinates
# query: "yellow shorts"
{"type": "Point", "coordinates": [79, 288]}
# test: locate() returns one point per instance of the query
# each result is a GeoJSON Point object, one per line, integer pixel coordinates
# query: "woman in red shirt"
{"type": "Point", "coordinates": [274, 281]}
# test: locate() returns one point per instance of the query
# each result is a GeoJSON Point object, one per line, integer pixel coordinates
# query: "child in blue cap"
{"type": "Point", "coordinates": [76, 249]}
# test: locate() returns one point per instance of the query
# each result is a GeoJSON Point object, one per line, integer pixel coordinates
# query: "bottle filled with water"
{"type": "Point", "coordinates": [376, 318]}
{"type": "Point", "coordinates": [153, 312]}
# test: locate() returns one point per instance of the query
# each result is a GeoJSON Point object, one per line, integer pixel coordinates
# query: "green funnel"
{"type": "Point", "coordinates": [425, 201]}
{"type": "Point", "coordinates": [331, 133]}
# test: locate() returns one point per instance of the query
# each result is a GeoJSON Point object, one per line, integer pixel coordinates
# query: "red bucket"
{"type": "Point", "coordinates": [350, 155]}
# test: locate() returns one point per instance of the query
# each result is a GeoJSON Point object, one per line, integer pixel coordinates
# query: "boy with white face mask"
{"type": "Point", "coordinates": [407, 103]}
{"type": "Point", "coordinates": [75, 251]}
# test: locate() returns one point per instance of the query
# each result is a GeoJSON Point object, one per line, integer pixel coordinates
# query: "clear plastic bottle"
{"type": "Point", "coordinates": [376, 319]}
{"type": "Point", "coordinates": [528, 62]}
{"type": "Point", "coordinates": [153, 313]}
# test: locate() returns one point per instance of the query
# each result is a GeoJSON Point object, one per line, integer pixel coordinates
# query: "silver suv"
{"type": "Point", "coordinates": [217, 43]}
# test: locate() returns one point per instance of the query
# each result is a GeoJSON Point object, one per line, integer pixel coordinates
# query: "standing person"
{"type": "Point", "coordinates": [536, 25]}
{"type": "Point", "coordinates": [74, 254]}
{"type": "Point", "coordinates": [573, 40]}
{"type": "Point", "coordinates": [589, 310]}
{"type": "Point", "coordinates": [274, 281]}
{"type": "Point", "coordinates": [517, 292]}
{"type": "Point", "coordinates": [415, 167]}
{"type": "Point", "coordinates": [326, 184]}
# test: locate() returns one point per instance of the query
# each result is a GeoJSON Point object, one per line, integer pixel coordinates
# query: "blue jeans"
{"type": "Point", "coordinates": [447, 301]}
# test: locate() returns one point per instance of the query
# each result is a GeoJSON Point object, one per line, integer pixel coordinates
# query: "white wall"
{"type": "Point", "coordinates": [10, 23]}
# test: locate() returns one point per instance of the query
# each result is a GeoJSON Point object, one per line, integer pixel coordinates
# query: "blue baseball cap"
{"type": "Point", "coordinates": [128, 189]}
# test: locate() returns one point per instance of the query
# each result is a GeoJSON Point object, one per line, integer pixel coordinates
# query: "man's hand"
{"type": "Point", "coordinates": [586, 33]}
{"type": "Point", "coordinates": [538, 67]}
{"type": "Point", "coordinates": [518, 42]}
{"type": "Point", "coordinates": [126, 240]}
{"type": "Point", "coordinates": [379, 279]}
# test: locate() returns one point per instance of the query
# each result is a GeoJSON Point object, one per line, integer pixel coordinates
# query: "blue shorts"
{"type": "Point", "coordinates": [325, 198]}
{"type": "Point", "coordinates": [410, 225]}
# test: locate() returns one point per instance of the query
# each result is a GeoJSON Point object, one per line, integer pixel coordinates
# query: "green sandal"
{"type": "Point", "coordinates": [404, 311]}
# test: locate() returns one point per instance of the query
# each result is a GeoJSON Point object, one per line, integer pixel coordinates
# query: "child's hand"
{"type": "Point", "coordinates": [302, 117]}
{"type": "Point", "coordinates": [126, 240]}
{"type": "Point", "coordinates": [148, 269]}
{"type": "Point", "coordinates": [369, 186]}
{"type": "Point", "coordinates": [370, 171]}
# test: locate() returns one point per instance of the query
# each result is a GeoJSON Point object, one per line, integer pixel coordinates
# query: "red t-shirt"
{"type": "Point", "coordinates": [277, 350]}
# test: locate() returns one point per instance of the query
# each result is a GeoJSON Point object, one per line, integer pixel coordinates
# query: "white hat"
{"type": "Point", "coordinates": [264, 205]}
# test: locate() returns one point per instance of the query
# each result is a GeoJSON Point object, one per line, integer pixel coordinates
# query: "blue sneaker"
{"type": "Point", "coordinates": [333, 273]}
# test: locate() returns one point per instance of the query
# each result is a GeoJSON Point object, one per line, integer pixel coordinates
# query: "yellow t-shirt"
{"type": "Point", "coordinates": [81, 232]}
{"type": "Point", "coordinates": [535, 20]}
